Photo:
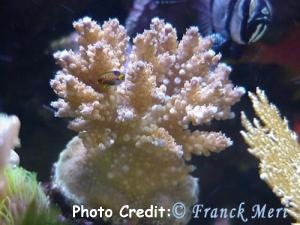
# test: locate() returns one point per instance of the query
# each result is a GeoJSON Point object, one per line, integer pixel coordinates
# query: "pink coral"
{"type": "Point", "coordinates": [139, 129]}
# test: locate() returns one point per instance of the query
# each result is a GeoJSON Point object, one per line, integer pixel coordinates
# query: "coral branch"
{"type": "Point", "coordinates": [276, 146]}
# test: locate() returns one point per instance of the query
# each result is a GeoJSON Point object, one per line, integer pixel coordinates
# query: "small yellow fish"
{"type": "Point", "coordinates": [111, 78]}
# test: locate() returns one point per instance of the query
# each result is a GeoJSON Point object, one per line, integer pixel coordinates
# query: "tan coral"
{"type": "Point", "coordinates": [276, 146]}
{"type": "Point", "coordinates": [139, 128]}
{"type": "Point", "coordinates": [9, 139]}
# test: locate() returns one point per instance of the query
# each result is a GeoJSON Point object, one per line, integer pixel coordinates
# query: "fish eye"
{"type": "Point", "coordinates": [116, 72]}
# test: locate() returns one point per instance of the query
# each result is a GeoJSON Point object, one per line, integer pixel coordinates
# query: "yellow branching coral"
{"type": "Point", "coordinates": [276, 146]}
{"type": "Point", "coordinates": [138, 129]}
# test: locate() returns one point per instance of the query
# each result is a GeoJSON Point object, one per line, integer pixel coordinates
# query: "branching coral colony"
{"type": "Point", "coordinates": [133, 136]}
{"type": "Point", "coordinates": [276, 146]}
